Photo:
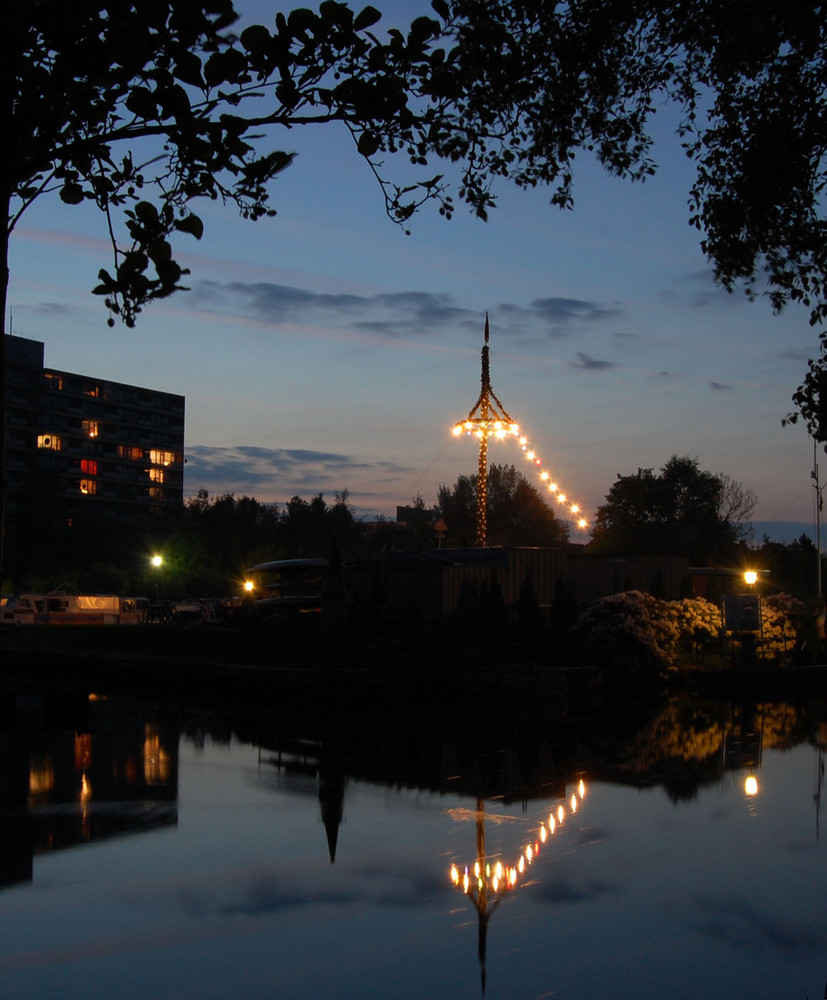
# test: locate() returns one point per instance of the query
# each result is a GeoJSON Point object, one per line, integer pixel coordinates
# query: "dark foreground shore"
{"type": "Point", "coordinates": [292, 660]}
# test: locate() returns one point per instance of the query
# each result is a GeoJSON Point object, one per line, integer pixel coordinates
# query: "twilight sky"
{"type": "Point", "coordinates": [324, 350]}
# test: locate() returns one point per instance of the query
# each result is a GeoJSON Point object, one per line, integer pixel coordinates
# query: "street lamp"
{"type": "Point", "coordinates": [750, 577]}
{"type": "Point", "coordinates": [157, 561]}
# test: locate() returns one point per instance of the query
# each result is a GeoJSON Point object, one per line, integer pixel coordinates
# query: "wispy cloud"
{"type": "Point", "coordinates": [563, 311]}
{"type": "Point", "coordinates": [588, 363]}
{"type": "Point", "coordinates": [408, 314]}
{"type": "Point", "coordinates": [277, 474]}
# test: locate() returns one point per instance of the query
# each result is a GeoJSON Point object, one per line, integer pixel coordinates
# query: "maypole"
{"type": "Point", "coordinates": [487, 417]}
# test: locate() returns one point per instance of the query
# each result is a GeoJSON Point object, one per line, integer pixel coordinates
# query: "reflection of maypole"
{"type": "Point", "coordinates": [485, 882]}
{"type": "Point", "coordinates": [486, 418]}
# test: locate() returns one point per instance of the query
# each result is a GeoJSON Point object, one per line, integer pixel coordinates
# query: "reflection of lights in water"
{"type": "Point", "coordinates": [85, 798]}
{"type": "Point", "coordinates": [482, 878]}
{"type": "Point", "coordinates": [751, 785]}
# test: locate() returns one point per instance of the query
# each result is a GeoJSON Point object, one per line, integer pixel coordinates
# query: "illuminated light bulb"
{"type": "Point", "coordinates": [582, 523]}
{"type": "Point", "coordinates": [574, 508]}
{"type": "Point", "coordinates": [468, 425]}
{"type": "Point", "coordinates": [495, 884]}
{"type": "Point", "coordinates": [529, 454]}
{"type": "Point", "coordinates": [500, 433]}
{"type": "Point", "coordinates": [454, 875]}
{"type": "Point", "coordinates": [476, 869]}
{"type": "Point", "coordinates": [551, 824]}
{"type": "Point", "coordinates": [553, 487]}
{"type": "Point", "coordinates": [528, 854]}
{"type": "Point", "coordinates": [488, 871]}
{"type": "Point", "coordinates": [543, 834]}
{"type": "Point", "coordinates": [479, 434]}
{"type": "Point", "coordinates": [498, 869]}
{"type": "Point", "coordinates": [480, 884]}
{"type": "Point", "coordinates": [581, 788]}
{"type": "Point", "coordinates": [523, 440]}
{"type": "Point", "coordinates": [573, 803]}
{"type": "Point", "coordinates": [513, 876]}
{"type": "Point", "coordinates": [544, 476]}
{"type": "Point", "coordinates": [521, 865]}
{"type": "Point", "coordinates": [560, 814]}
{"type": "Point", "coordinates": [561, 497]}
{"type": "Point", "coordinates": [457, 430]}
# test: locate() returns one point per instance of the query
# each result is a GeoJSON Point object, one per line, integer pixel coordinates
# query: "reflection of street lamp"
{"type": "Point", "coordinates": [751, 785]}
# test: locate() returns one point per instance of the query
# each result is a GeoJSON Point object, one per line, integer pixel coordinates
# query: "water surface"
{"type": "Point", "coordinates": [155, 854]}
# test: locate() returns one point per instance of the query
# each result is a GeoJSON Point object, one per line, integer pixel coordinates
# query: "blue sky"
{"type": "Point", "coordinates": [324, 350]}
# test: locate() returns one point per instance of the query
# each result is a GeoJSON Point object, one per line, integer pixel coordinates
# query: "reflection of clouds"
{"type": "Point", "coordinates": [566, 891]}
{"type": "Point", "coordinates": [743, 925]}
{"type": "Point", "coordinates": [261, 891]}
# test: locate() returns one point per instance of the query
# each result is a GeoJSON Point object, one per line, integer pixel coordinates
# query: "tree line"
{"type": "Point", "coordinates": [680, 510]}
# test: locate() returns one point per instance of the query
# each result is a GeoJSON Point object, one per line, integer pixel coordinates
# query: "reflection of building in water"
{"type": "Point", "coordinates": [75, 769]}
{"type": "Point", "coordinates": [312, 767]}
{"type": "Point", "coordinates": [486, 880]}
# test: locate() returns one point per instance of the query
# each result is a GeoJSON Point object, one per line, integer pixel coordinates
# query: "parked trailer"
{"type": "Point", "coordinates": [73, 609]}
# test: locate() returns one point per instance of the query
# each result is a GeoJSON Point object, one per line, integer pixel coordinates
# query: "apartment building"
{"type": "Point", "coordinates": [96, 447]}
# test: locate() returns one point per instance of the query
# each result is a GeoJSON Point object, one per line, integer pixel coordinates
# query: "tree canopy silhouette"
{"type": "Point", "coordinates": [681, 510]}
{"type": "Point", "coordinates": [517, 511]}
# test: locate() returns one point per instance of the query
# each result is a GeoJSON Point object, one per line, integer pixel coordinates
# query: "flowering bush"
{"type": "Point", "coordinates": [781, 618]}
{"type": "Point", "coordinates": [639, 632]}
{"type": "Point", "coordinates": [635, 630]}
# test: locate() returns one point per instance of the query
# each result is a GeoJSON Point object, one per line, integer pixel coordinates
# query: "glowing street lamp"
{"type": "Point", "coordinates": [157, 562]}
{"type": "Point", "coordinates": [750, 577]}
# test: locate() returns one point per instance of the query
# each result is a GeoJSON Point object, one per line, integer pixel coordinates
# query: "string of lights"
{"type": "Point", "coordinates": [501, 430]}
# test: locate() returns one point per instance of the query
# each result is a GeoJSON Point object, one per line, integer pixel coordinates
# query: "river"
{"type": "Point", "coordinates": [154, 851]}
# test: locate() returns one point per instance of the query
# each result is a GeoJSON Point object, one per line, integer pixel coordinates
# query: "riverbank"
{"type": "Point", "coordinates": [223, 665]}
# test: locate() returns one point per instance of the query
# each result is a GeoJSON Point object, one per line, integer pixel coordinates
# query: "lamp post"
{"type": "Point", "coordinates": [157, 562]}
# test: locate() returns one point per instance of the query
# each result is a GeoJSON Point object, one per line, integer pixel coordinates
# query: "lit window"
{"type": "Point", "coordinates": [89, 466]}
{"type": "Point", "coordinates": [161, 457]}
{"type": "Point", "coordinates": [54, 381]}
{"type": "Point", "coordinates": [156, 493]}
{"type": "Point", "coordinates": [133, 454]}
{"type": "Point", "coordinates": [90, 428]}
{"type": "Point", "coordinates": [88, 486]}
{"type": "Point", "coordinates": [92, 390]}
{"type": "Point", "coordinates": [51, 441]}
{"type": "Point", "coordinates": [156, 475]}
